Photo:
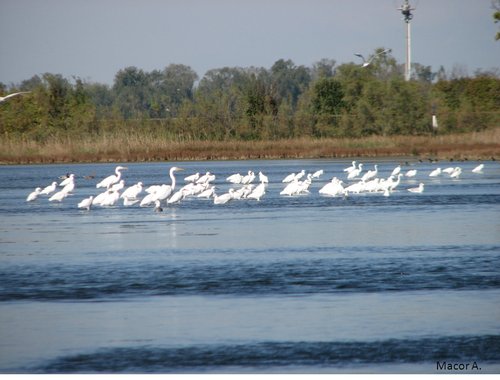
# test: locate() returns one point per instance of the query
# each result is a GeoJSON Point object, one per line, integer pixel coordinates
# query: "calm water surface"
{"type": "Point", "coordinates": [309, 283]}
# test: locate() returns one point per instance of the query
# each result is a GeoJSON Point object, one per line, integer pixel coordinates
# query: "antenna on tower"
{"type": "Point", "coordinates": [406, 11]}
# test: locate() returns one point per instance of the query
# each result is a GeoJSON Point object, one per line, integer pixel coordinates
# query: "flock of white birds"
{"type": "Point", "coordinates": [243, 186]}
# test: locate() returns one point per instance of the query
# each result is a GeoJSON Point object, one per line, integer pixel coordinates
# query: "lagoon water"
{"type": "Point", "coordinates": [304, 284]}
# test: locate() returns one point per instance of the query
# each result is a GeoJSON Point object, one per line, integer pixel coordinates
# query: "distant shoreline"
{"type": "Point", "coordinates": [484, 145]}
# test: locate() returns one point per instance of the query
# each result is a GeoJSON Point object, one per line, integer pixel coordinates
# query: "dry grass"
{"type": "Point", "coordinates": [136, 148]}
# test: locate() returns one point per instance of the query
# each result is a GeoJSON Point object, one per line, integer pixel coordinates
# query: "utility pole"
{"type": "Point", "coordinates": [407, 17]}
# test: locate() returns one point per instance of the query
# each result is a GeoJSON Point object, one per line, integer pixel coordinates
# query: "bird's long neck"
{"type": "Point", "coordinates": [172, 177]}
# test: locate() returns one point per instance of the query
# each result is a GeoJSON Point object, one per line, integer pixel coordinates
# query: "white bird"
{"type": "Point", "coordinates": [34, 195]}
{"type": "Point", "coordinates": [224, 198]}
{"type": "Point", "coordinates": [258, 192]}
{"type": "Point", "coordinates": [133, 191]}
{"type": "Point", "coordinates": [67, 180]}
{"type": "Point", "coordinates": [350, 168]}
{"type": "Point", "coordinates": [178, 196]}
{"type": "Point", "coordinates": [118, 186]}
{"type": "Point", "coordinates": [248, 178]}
{"type": "Point", "coordinates": [448, 170]}
{"type": "Point", "coordinates": [332, 188]}
{"type": "Point", "coordinates": [419, 189]}
{"type": "Point", "coordinates": [130, 201]}
{"type": "Point", "coordinates": [59, 196]}
{"type": "Point", "coordinates": [456, 173]}
{"type": "Point", "coordinates": [112, 179]}
{"type": "Point", "coordinates": [160, 192]}
{"type": "Point", "coordinates": [370, 174]}
{"type": "Point", "coordinates": [263, 178]}
{"type": "Point", "coordinates": [70, 186]}
{"type": "Point", "coordinates": [207, 193]}
{"type": "Point", "coordinates": [411, 173]}
{"type": "Point", "coordinates": [356, 172]}
{"type": "Point", "coordinates": [111, 198]}
{"type": "Point", "coordinates": [478, 169]}
{"type": "Point", "coordinates": [100, 197]}
{"type": "Point", "coordinates": [235, 178]}
{"type": "Point", "coordinates": [396, 170]}
{"type": "Point", "coordinates": [318, 173]}
{"type": "Point", "coordinates": [49, 189]}
{"type": "Point", "coordinates": [4, 98]}
{"type": "Point", "coordinates": [435, 172]}
{"type": "Point", "coordinates": [206, 178]}
{"type": "Point", "coordinates": [369, 61]}
{"type": "Point", "coordinates": [86, 203]}
{"type": "Point", "coordinates": [192, 177]}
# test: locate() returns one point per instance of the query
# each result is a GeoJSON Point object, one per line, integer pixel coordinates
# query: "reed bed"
{"type": "Point", "coordinates": [137, 148]}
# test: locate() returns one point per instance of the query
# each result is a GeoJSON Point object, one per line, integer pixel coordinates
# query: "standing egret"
{"type": "Point", "coordinates": [370, 174]}
{"type": "Point", "coordinates": [456, 173]}
{"type": "Point", "coordinates": [235, 178]}
{"type": "Point", "coordinates": [248, 178]}
{"type": "Point", "coordinates": [478, 169]}
{"type": "Point", "coordinates": [258, 192]}
{"type": "Point", "coordinates": [68, 179]}
{"type": "Point", "coordinates": [318, 173]}
{"type": "Point", "coordinates": [419, 189]}
{"type": "Point", "coordinates": [133, 191]}
{"type": "Point", "coordinates": [112, 179]}
{"type": "Point", "coordinates": [435, 172]}
{"type": "Point", "coordinates": [4, 98]}
{"type": "Point", "coordinates": [411, 173]}
{"type": "Point", "coordinates": [86, 203]}
{"type": "Point", "coordinates": [350, 168]}
{"type": "Point", "coordinates": [59, 196]}
{"type": "Point", "coordinates": [192, 177]}
{"type": "Point", "coordinates": [49, 189]}
{"type": "Point", "coordinates": [396, 170]}
{"type": "Point", "coordinates": [224, 198]}
{"type": "Point", "coordinates": [356, 172]}
{"type": "Point", "coordinates": [34, 195]}
{"type": "Point", "coordinates": [263, 178]}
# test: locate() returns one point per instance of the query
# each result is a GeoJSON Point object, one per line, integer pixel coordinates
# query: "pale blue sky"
{"type": "Point", "coordinates": [93, 39]}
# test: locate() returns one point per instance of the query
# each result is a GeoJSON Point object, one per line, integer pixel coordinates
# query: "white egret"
{"type": "Point", "coordinates": [435, 172]}
{"type": "Point", "coordinates": [112, 179]}
{"type": "Point", "coordinates": [478, 169]}
{"type": "Point", "coordinates": [49, 189]}
{"type": "Point", "coordinates": [70, 186]}
{"type": "Point", "coordinates": [34, 195]}
{"type": "Point", "coordinates": [318, 173]}
{"type": "Point", "coordinates": [356, 172]}
{"type": "Point", "coordinates": [59, 196]}
{"type": "Point", "coordinates": [263, 178]}
{"type": "Point", "coordinates": [224, 198]}
{"type": "Point", "coordinates": [192, 177]}
{"type": "Point", "coordinates": [4, 98]}
{"type": "Point", "coordinates": [100, 197]}
{"type": "Point", "coordinates": [118, 186]}
{"type": "Point", "coordinates": [111, 198]}
{"type": "Point", "coordinates": [369, 61]}
{"type": "Point", "coordinates": [207, 193]}
{"type": "Point", "coordinates": [178, 196]}
{"type": "Point", "coordinates": [235, 178]}
{"type": "Point", "coordinates": [289, 178]}
{"type": "Point", "coordinates": [258, 192]}
{"type": "Point", "coordinates": [332, 188]}
{"type": "Point", "coordinates": [456, 173]}
{"type": "Point", "coordinates": [86, 203]}
{"type": "Point", "coordinates": [248, 178]}
{"type": "Point", "coordinates": [206, 178]}
{"type": "Point", "coordinates": [350, 168]}
{"type": "Point", "coordinates": [68, 179]}
{"type": "Point", "coordinates": [396, 170]}
{"type": "Point", "coordinates": [133, 191]}
{"type": "Point", "coordinates": [370, 174]}
{"type": "Point", "coordinates": [411, 173]}
{"type": "Point", "coordinates": [419, 189]}
{"type": "Point", "coordinates": [448, 170]}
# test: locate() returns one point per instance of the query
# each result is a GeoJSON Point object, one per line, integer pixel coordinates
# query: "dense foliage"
{"type": "Point", "coordinates": [285, 101]}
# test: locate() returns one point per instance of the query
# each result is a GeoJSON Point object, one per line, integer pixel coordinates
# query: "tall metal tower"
{"type": "Point", "coordinates": [407, 17]}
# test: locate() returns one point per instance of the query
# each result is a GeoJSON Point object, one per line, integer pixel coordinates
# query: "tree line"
{"type": "Point", "coordinates": [255, 103]}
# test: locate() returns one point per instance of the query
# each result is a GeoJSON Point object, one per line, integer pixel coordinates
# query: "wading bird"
{"type": "Point", "coordinates": [112, 179]}
{"type": "Point", "coordinates": [4, 98]}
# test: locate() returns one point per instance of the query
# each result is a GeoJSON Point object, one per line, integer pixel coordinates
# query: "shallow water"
{"type": "Point", "coordinates": [309, 283]}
